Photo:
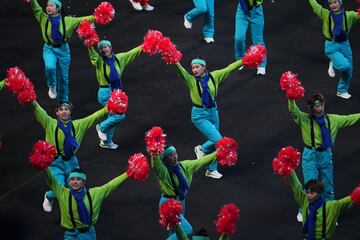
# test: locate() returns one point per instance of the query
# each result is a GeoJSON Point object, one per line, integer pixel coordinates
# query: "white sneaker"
{"type": "Point", "coordinates": [213, 174]}
{"type": "Point", "coordinates": [187, 24]}
{"type": "Point", "coordinates": [209, 40]}
{"type": "Point", "coordinates": [101, 135]}
{"type": "Point", "coordinates": [331, 70]}
{"type": "Point", "coordinates": [108, 145]}
{"type": "Point", "coordinates": [136, 5]}
{"type": "Point", "coordinates": [299, 217]}
{"type": "Point", "coordinates": [344, 95]}
{"type": "Point", "coordinates": [52, 92]}
{"type": "Point", "coordinates": [241, 68]}
{"type": "Point", "coordinates": [47, 205]}
{"type": "Point", "coordinates": [261, 71]}
{"type": "Point", "coordinates": [199, 153]}
{"type": "Point", "coordinates": [147, 7]}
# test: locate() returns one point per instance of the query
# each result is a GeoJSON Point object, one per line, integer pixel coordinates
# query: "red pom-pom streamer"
{"type": "Point", "coordinates": [168, 51]}
{"type": "Point", "coordinates": [226, 151]}
{"type": "Point", "coordinates": [42, 155]}
{"type": "Point", "coordinates": [254, 56]}
{"type": "Point", "coordinates": [104, 13]}
{"type": "Point", "coordinates": [155, 140]}
{"type": "Point", "coordinates": [138, 168]}
{"type": "Point", "coordinates": [118, 102]}
{"type": "Point", "coordinates": [86, 31]}
{"type": "Point", "coordinates": [355, 195]}
{"type": "Point", "coordinates": [170, 214]}
{"type": "Point", "coordinates": [291, 85]}
{"type": "Point", "coordinates": [295, 92]}
{"type": "Point", "coordinates": [151, 42]}
{"type": "Point", "coordinates": [287, 160]}
{"type": "Point", "coordinates": [227, 219]}
{"type": "Point", "coordinates": [92, 41]}
{"type": "Point", "coordinates": [26, 96]}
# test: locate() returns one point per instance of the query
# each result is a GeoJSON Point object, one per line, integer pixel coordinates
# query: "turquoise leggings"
{"type": "Point", "coordinates": [341, 55]}
{"type": "Point", "coordinates": [206, 8]}
{"type": "Point", "coordinates": [76, 235]}
{"type": "Point", "coordinates": [207, 121]}
{"type": "Point", "coordinates": [57, 62]}
{"type": "Point", "coordinates": [108, 125]}
{"type": "Point", "coordinates": [255, 17]}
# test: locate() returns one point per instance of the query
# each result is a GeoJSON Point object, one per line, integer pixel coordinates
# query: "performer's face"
{"type": "Point", "coordinates": [105, 51]}
{"type": "Point", "coordinates": [63, 112]}
{"type": "Point", "coordinates": [318, 109]}
{"type": "Point", "coordinates": [334, 6]}
{"type": "Point", "coordinates": [198, 69]}
{"type": "Point", "coordinates": [172, 158]}
{"type": "Point", "coordinates": [76, 183]}
{"type": "Point", "coordinates": [312, 195]}
{"type": "Point", "coordinates": [52, 9]}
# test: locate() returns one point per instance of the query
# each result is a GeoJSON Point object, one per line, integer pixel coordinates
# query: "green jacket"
{"type": "Point", "coordinates": [189, 167]}
{"type": "Point", "coordinates": [2, 83]}
{"type": "Point", "coordinates": [333, 208]}
{"type": "Point", "coordinates": [70, 23]}
{"type": "Point", "coordinates": [181, 235]}
{"type": "Point", "coordinates": [121, 59]}
{"type": "Point", "coordinates": [98, 194]}
{"type": "Point", "coordinates": [336, 122]}
{"type": "Point", "coordinates": [324, 15]}
{"type": "Point", "coordinates": [80, 125]}
{"type": "Point", "coordinates": [218, 75]}
{"type": "Point", "coordinates": [254, 2]}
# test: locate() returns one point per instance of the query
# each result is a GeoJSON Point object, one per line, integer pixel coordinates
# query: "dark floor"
{"type": "Point", "coordinates": [252, 109]}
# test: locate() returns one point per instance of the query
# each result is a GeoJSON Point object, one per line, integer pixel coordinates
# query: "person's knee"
{"type": "Point", "coordinates": [50, 69]}
{"type": "Point", "coordinates": [202, 9]}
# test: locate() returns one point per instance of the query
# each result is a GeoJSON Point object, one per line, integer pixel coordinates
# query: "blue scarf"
{"type": "Point", "coordinates": [205, 96]}
{"type": "Point", "coordinates": [115, 80]}
{"type": "Point", "coordinates": [82, 210]}
{"type": "Point", "coordinates": [325, 132]}
{"type": "Point", "coordinates": [183, 185]}
{"type": "Point", "coordinates": [70, 143]}
{"type": "Point", "coordinates": [309, 225]}
{"type": "Point", "coordinates": [339, 34]}
{"type": "Point", "coordinates": [55, 32]}
{"type": "Point", "coordinates": [244, 5]}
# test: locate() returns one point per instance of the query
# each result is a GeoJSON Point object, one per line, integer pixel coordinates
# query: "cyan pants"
{"type": "Point", "coordinates": [318, 165]}
{"type": "Point", "coordinates": [255, 17]}
{"type": "Point", "coordinates": [207, 121]}
{"type": "Point", "coordinates": [57, 62]}
{"type": "Point", "coordinates": [76, 235]}
{"type": "Point", "coordinates": [108, 125]}
{"type": "Point", "coordinates": [61, 169]}
{"type": "Point", "coordinates": [206, 8]}
{"type": "Point", "coordinates": [341, 55]}
{"type": "Point", "coordinates": [184, 223]}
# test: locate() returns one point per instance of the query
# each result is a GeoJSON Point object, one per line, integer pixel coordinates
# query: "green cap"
{"type": "Point", "coordinates": [198, 61]}
{"type": "Point", "coordinates": [78, 174]}
{"type": "Point", "coordinates": [168, 151]}
{"type": "Point", "coordinates": [56, 2]}
{"type": "Point", "coordinates": [104, 42]}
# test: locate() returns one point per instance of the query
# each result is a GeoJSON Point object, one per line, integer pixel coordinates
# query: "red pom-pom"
{"type": "Point", "coordinates": [355, 195]}
{"type": "Point", "coordinates": [42, 155]}
{"type": "Point", "coordinates": [168, 51]}
{"type": "Point", "coordinates": [85, 29]}
{"type": "Point", "coordinates": [170, 214]}
{"type": "Point", "coordinates": [118, 102]}
{"type": "Point", "coordinates": [151, 42]}
{"type": "Point", "coordinates": [92, 41]}
{"type": "Point", "coordinates": [295, 92]}
{"type": "Point", "coordinates": [291, 85]}
{"type": "Point", "coordinates": [138, 168]}
{"type": "Point", "coordinates": [15, 80]}
{"type": "Point", "coordinates": [227, 219]}
{"type": "Point", "coordinates": [104, 13]}
{"type": "Point", "coordinates": [155, 140]}
{"type": "Point", "coordinates": [26, 96]}
{"type": "Point", "coordinates": [287, 160]}
{"type": "Point", "coordinates": [226, 151]}
{"type": "Point", "coordinates": [358, 8]}
{"type": "Point", "coordinates": [254, 56]}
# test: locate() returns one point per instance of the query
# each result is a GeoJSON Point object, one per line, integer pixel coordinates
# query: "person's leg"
{"type": "Point", "coordinates": [241, 25]}
{"type": "Point", "coordinates": [50, 66]}
{"type": "Point", "coordinates": [309, 165]}
{"type": "Point", "coordinates": [88, 235]}
{"type": "Point", "coordinates": [200, 9]}
{"type": "Point", "coordinates": [57, 169]}
{"type": "Point", "coordinates": [109, 125]}
{"type": "Point", "coordinates": [257, 29]}
{"type": "Point", "coordinates": [209, 20]}
{"type": "Point", "coordinates": [70, 235]}
{"type": "Point", "coordinates": [326, 174]}
{"type": "Point", "coordinates": [63, 56]}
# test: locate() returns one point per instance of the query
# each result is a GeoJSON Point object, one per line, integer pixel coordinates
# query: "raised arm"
{"type": "Point", "coordinates": [220, 75]}
{"type": "Point", "coordinates": [41, 115]}
{"type": "Point", "coordinates": [295, 111]}
{"type": "Point", "coordinates": [346, 120]}
{"type": "Point", "coordinates": [94, 56]}
{"type": "Point", "coordinates": [297, 189]}
{"type": "Point", "coordinates": [194, 165]}
{"type": "Point", "coordinates": [183, 73]}
{"type": "Point", "coordinates": [75, 21]}
{"type": "Point", "coordinates": [158, 166]}
{"type": "Point", "coordinates": [127, 57]}
{"type": "Point", "coordinates": [318, 9]}
{"type": "Point", "coordinates": [93, 119]}
{"type": "Point", "coordinates": [2, 83]}
{"type": "Point", "coordinates": [105, 190]}
{"type": "Point", "coordinates": [53, 184]}
{"type": "Point", "coordinates": [39, 14]}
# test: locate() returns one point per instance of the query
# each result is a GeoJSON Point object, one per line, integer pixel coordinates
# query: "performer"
{"type": "Point", "coordinates": [140, 5]}
{"type": "Point", "coordinates": [320, 214]}
{"type": "Point", "coordinates": [337, 24]}
{"type": "Point", "coordinates": [249, 12]}
{"type": "Point", "coordinates": [56, 32]}
{"type": "Point", "coordinates": [109, 68]}
{"type": "Point", "coordinates": [175, 177]}
{"type": "Point", "coordinates": [66, 135]}
{"type": "Point", "coordinates": [319, 131]}
{"type": "Point", "coordinates": [206, 8]}
{"type": "Point", "coordinates": [80, 206]}
{"type": "Point", "coordinates": [203, 88]}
